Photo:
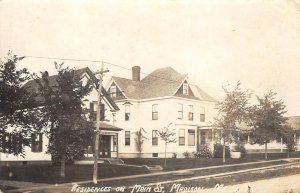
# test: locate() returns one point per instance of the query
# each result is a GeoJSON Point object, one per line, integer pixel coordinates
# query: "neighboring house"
{"type": "Point", "coordinates": [36, 152]}
{"type": "Point", "coordinates": [162, 97]}
{"type": "Point", "coordinates": [273, 146]}
{"type": "Point", "coordinates": [294, 122]}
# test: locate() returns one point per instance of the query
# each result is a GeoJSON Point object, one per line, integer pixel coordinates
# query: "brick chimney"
{"type": "Point", "coordinates": [136, 73]}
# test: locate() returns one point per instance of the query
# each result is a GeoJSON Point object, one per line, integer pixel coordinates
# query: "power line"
{"type": "Point", "coordinates": [112, 64]}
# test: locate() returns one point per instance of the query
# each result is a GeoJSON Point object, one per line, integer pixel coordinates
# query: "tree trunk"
{"type": "Point", "coordinates": [266, 150]}
{"type": "Point", "coordinates": [288, 152]}
{"type": "Point", "coordinates": [224, 149]}
{"type": "Point", "coordinates": [165, 155]}
{"type": "Point", "coordinates": [63, 166]}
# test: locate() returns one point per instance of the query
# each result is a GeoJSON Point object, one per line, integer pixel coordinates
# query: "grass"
{"type": "Point", "coordinates": [187, 163]}
{"type": "Point", "coordinates": [206, 182]}
{"type": "Point", "coordinates": [50, 174]}
{"type": "Point", "coordinates": [171, 177]}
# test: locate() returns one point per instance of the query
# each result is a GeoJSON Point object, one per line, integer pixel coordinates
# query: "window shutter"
{"type": "Point", "coordinates": [20, 143]}
{"type": "Point", "coordinates": [3, 143]}
{"type": "Point", "coordinates": [13, 143]}
{"type": "Point", "coordinates": [40, 142]}
{"type": "Point", "coordinates": [9, 143]}
{"type": "Point", "coordinates": [93, 111]}
{"type": "Point", "coordinates": [102, 112]}
{"type": "Point", "coordinates": [91, 107]}
{"type": "Point", "coordinates": [33, 137]}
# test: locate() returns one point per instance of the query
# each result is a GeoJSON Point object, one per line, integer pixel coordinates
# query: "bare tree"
{"type": "Point", "coordinates": [167, 135]}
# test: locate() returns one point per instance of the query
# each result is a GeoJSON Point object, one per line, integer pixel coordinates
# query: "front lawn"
{"type": "Point", "coordinates": [50, 174]}
{"type": "Point", "coordinates": [187, 163]}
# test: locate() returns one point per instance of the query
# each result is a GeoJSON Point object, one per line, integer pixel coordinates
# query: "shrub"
{"type": "Point", "coordinates": [187, 154]}
{"type": "Point", "coordinates": [174, 155]}
{"type": "Point", "coordinates": [204, 152]}
{"type": "Point", "coordinates": [241, 148]}
{"type": "Point", "coordinates": [218, 151]}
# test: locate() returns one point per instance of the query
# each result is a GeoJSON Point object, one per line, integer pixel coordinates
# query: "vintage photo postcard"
{"type": "Point", "coordinates": [155, 96]}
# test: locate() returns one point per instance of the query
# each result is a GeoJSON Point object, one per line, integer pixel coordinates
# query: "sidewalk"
{"type": "Point", "coordinates": [287, 184]}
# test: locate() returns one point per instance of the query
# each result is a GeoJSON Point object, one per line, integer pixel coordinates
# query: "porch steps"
{"type": "Point", "coordinates": [156, 168]}
{"type": "Point", "coordinates": [115, 161]}
{"type": "Point", "coordinates": [87, 162]}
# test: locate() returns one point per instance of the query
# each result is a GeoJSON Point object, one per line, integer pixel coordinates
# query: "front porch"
{"type": "Point", "coordinates": [108, 143]}
{"type": "Point", "coordinates": [206, 136]}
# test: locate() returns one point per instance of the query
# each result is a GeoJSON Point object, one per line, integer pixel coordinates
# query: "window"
{"type": "Point", "coordinates": [202, 138]}
{"type": "Point", "coordinates": [154, 112]}
{"type": "Point", "coordinates": [202, 114]}
{"type": "Point", "coordinates": [127, 138]}
{"type": "Point", "coordinates": [185, 89]}
{"type": "Point", "coordinates": [37, 142]}
{"type": "Point", "coordinates": [113, 91]}
{"type": "Point", "coordinates": [181, 137]}
{"type": "Point", "coordinates": [154, 154]}
{"type": "Point", "coordinates": [11, 143]}
{"type": "Point", "coordinates": [127, 112]}
{"type": "Point", "coordinates": [93, 111]}
{"type": "Point", "coordinates": [180, 111]}
{"type": "Point", "coordinates": [191, 112]}
{"type": "Point", "coordinates": [191, 137]}
{"type": "Point", "coordinates": [154, 137]}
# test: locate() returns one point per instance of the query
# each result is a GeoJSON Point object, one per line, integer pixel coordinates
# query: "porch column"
{"type": "Point", "coordinates": [198, 139]}
{"type": "Point", "coordinates": [248, 139]}
{"type": "Point", "coordinates": [213, 139]}
{"type": "Point", "coordinates": [281, 148]}
{"type": "Point", "coordinates": [295, 140]}
{"type": "Point", "coordinates": [117, 145]}
{"type": "Point", "coordinates": [213, 135]}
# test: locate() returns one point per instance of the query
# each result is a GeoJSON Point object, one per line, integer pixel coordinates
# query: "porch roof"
{"type": "Point", "coordinates": [108, 127]}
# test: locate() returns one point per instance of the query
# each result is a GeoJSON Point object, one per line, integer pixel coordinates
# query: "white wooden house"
{"type": "Point", "coordinates": [152, 103]}
{"type": "Point", "coordinates": [36, 152]}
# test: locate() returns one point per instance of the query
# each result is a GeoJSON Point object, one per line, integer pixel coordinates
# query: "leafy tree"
{"type": "Point", "coordinates": [167, 135]}
{"type": "Point", "coordinates": [267, 120]}
{"type": "Point", "coordinates": [17, 113]}
{"type": "Point", "coordinates": [139, 140]}
{"type": "Point", "coordinates": [232, 110]}
{"type": "Point", "coordinates": [63, 115]}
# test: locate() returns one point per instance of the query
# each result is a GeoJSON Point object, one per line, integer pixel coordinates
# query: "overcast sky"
{"type": "Point", "coordinates": [214, 42]}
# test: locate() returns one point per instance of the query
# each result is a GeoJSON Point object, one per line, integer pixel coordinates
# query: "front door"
{"type": "Point", "coordinates": [104, 149]}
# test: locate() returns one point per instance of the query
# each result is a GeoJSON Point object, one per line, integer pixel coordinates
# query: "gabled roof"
{"type": "Point", "coordinates": [132, 89]}
{"type": "Point", "coordinates": [160, 83]}
{"type": "Point", "coordinates": [32, 86]}
{"type": "Point", "coordinates": [294, 122]}
{"type": "Point", "coordinates": [202, 95]}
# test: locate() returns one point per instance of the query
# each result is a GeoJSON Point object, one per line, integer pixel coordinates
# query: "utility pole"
{"type": "Point", "coordinates": [98, 121]}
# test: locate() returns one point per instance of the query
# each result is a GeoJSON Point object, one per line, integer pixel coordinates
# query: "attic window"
{"type": "Point", "coordinates": [185, 89]}
{"type": "Point", "coordinates": [113, 91]}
